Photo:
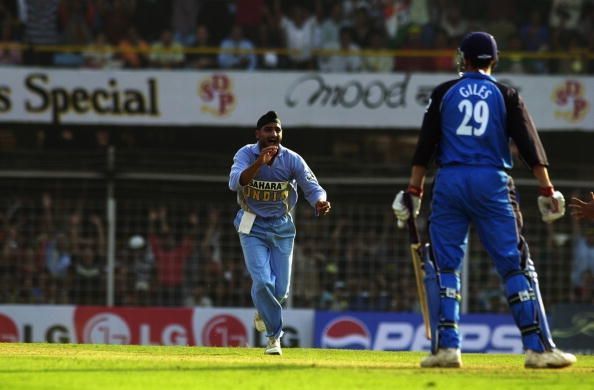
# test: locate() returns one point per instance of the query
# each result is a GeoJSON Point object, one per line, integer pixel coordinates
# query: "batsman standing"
{"type": "Point", "coordinates": [265, 176]}
{"type": "Point", "coordinates": [467, 127]}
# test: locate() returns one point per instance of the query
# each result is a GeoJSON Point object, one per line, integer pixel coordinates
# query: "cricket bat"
{"type": "Point", "coordinates": [417, 260]}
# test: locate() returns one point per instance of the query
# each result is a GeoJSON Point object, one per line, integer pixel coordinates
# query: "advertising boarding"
{"type": "Point", "coordinates": [212, 327]}
{"type": "Point", "coordinates": [406, 332]}
{"type": "Point", "coordinates": [307, 99]}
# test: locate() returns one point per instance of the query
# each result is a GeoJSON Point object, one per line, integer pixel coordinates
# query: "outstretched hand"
{"type": "Point", "coordinates": [581, 209]}
{"type": "Point", "coordinates": [322, 207]}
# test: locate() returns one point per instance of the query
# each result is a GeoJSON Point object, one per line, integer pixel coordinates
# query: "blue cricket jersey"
{"type": "Point", "coordinates": [473, 124]}
{"type": "Point", "coordinates": [273, 191]}
{"type": "Point", "coordinates": [470, 121]}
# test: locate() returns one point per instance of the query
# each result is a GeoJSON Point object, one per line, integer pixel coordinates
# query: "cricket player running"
{"type": "Point", "coordinates": [265, 176]}
{"type": "Point", "coordinates": [467, 126]}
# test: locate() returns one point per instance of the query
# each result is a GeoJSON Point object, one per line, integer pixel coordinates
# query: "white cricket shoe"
{"type": "Point", "coordinates": [445, 357]}
{"type": "Point", "coordinates": [259, 323]}
{"type": "Point", "coordinates": [549, 359]}
{"type": "Point", "coordinates": [273, 347]}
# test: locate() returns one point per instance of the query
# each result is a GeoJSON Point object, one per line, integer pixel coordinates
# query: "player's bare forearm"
{"type": "Point", "coordinates": [266, 155]}
{"type": "Point", "coordinates": [541, 174]}
{"type": "Point", "coordinates": [417, 176]}
{"type": "Point", "coordinates": [249, 173]}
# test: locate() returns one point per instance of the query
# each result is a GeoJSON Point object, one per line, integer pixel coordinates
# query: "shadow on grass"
{"type": "Point", "coordinates": [234, 368]}
{"type": "Point", "coordinates": [159, 369]}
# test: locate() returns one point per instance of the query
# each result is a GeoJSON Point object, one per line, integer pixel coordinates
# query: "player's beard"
{"type": "Point", "coordinates": [269, 141]}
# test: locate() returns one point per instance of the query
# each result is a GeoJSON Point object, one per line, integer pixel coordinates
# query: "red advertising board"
{"type": "Point", "coordinates": [159, 326]}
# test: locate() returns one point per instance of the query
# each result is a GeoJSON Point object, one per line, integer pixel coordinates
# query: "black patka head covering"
{"type": "Point", "coordinates": [269, 117]}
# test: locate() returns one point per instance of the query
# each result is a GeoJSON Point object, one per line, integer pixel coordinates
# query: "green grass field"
{"type": "Point", "coordinates": [71, 366]}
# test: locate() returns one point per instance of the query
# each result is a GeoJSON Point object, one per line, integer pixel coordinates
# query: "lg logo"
{"type": "Point", "coordinates": [224, 331]}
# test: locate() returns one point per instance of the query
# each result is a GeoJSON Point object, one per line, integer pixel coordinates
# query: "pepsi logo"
{"type": "Point", "coordinates": [224, 331]}
{"type": "Point", "coordinates": [8, 330]}
{"type": "Point", "coordinates": [346, 332]}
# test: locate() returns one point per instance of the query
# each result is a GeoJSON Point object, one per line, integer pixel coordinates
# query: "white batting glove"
{"type": "Point", "coordinates": [551, 204]}
{"type": "Point", "coordinates": [401, 211]}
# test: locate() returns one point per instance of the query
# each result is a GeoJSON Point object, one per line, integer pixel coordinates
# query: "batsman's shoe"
{"type": "Point", "coordinates": [445, 357]}
{"type": "Point", "coordinates": [273, 347]}
{"type": "Point", "coordinates": [549, 359]}
{"type": "Point", "coordinates": [259, 323]}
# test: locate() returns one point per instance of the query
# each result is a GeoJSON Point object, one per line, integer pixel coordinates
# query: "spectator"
{"type": "Point", "coordinates": [166, 53]}
{"type": "Point", "coordinates": [100, 54]}
{"type": "Point", "coordinates": [299, 35]}
{"type": "Point", "coordinates": [56, 252]}
{"type": "Point", "coordinates": [513, 61]}
{"type": "Point", "coordinates": [270, 38]}
{"type": "Point", "coordinates": [151, 17]}
{"type": "Point", "coordinates": [28, 277]}
{"type": "Point", "coordinates": [198, 297]}
{"type": "Point", "coordinates": [375, 60]}
{"type": "Point", "coordinates": [10, 50]}
{"type": "Point", "coordinates": [250, 15]}
{"type": "Point", "coordinates": [585, 292]}
{"type": "Point", "coordinates": [586, 30]}
{"type": "Point", "coordinates": [170, 256]}
{"type": "Point", "coordinates": [142, 263]}
{"type": "Point", "coordinates": [213, 274]}
{"type": "Point", "coordinates": [75, 27]}
{"type": "Point", "coordinates": [453, 23]}
{"type": "Point", "coordinates": [217, 16]}
{"type": "Point", "coordinates": [397, 16]}
{"type": "Point", "coordinates": [582, 267]}
{"type": "Point", "coordinates": [89, 282]}
{"type": "Point", "coordinates": [445, 61]}
{"type": "Point", "coordinates": [380, 297]}
{"type": "Point", "coordinates": [500, 22]}
{"type": "Point", "coordinates": [57, 248]}
{"type": "Point", "coordinates": [413, 41]}
{"type": "Point", "coordinates": [345, 57]}
{"type": "Point", "coordinates": [40, 18]}
{"type": "Point", "coordinates": [330, 27]}
{"type": "Point", "coordinates": [10, 259]}
{"type": "Point", "coordinates": [237, 51]}
{"type": "Point", "coordinates": [576, 63]}
{"type": "Point", "coordinates": [183, 20]}
{"type": "Point", "coordinates": [361, 28]}
{"type": "Point", "coordinates": [74, 23]}
{"type": "Point", "coordinates": [133, 50]}
{"type": "Point", "coordinates": [491, 296]}
{"type": "Point", "coordinates": [200, 56]}
{"type": "Point", "coordinates": [8, 22]}
{"type": "Point", "coordinates": [307, 260]}
{"type": "Point", "coordinates": [566, 13]}
{"type": "Point", "coordinates": [535, 37]}
{"type": "Point", "coordinates": [117, 19]}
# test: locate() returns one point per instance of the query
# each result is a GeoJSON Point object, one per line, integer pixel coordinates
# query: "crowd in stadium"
{"type": "Point", "coordinates": [326, 35]}
{"type": "Point", "coordinates": [53, 250]}
{"type": "Point", "coordinates": [53, 247]}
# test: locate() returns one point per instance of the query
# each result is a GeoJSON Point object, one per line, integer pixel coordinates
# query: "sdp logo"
{"type": "Point", "coordinates": [570, 98]}
{"type": "Point", "coordinates": [224, 331]}
{"type": "Point", "coordinates": [216, 92]}
{"type": "Point", "coordinates": [346, 332]}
